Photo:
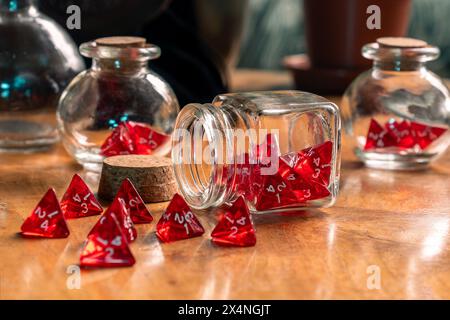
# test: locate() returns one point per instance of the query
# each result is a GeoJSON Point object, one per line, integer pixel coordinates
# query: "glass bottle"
{"type": "Point", "coordinates": [37, 61]}
{"type": "Point", "coordinates": [397, 114]}
{"type": "Point", "coordinates": [118, 106]}
{"type": "Point", "coordinates": [280, 150]}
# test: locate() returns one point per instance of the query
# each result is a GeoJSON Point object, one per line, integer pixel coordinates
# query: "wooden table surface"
{"type": "Point", "coordinates": [391, 226]}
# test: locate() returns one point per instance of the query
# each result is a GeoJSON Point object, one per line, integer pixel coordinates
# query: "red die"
{"type": "Point", "coordinates": [119, 142]}
{"type": "Point", "coordinates": [235, 227]}
{"type": "Point", "coordinates": [147, 139]}
{"type": "Point", "coordinates": [106, 246]}
{"type": "Point", "coordinates": [79, 201]}
{"type": "Point", "coordinates": [178, 222]}
{"type": "Point", "coordinates": [378, 137]}
{"type": "Point", "coordinates": [302, 189]}
{"type": "Point", "coordinates": [123, 217]}
{"type": "Point", "coordinates": [275, 192]}
{"type": "Point", "coordinates": [133, 202]}
{"type": "Point", "coordinates": [133, 138]}
{"type": "Point", "coordinates": [426, 135]}
{"type": "Point", "coordinates": [402, 133]}
{"type": "Point", "coordinates": [47, 219]}
{"type": "Point", "coordinates": [314, 166]}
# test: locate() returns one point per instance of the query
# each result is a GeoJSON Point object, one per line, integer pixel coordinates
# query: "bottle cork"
{"type": "Point", "coordinates": [152, 176]}
{"type": "Point", "coordinates": [400, 42]}
{"type": "Point", "coordinates": [122, 42]}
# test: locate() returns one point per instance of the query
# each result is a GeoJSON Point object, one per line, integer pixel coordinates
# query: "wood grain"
{"type": "Point", "coordinates": [398, 222]}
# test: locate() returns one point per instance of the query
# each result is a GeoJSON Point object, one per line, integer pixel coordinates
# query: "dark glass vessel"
{"type": "Point", "coordinates": [37, 60]}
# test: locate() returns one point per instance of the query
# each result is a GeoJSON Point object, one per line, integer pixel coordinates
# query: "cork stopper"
{"type": "Point", "coordinates": [152, 176]}
{"type": "Point", "coordinates": [400, 42]}
{"type": "Point", "coordinates": [122, 42]}
{"type": "Point", "coordinates": [138, 161]}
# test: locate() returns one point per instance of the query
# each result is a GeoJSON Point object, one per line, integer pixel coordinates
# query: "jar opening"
{"type": "Point", "coordinates": [198, 160]}
{"type": "Point", "coordinates": [93, 50]}
{"type": "Point", "coordinates": [377, 52]}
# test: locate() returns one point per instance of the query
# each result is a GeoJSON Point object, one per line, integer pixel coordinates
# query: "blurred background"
{"type": "Point", "coordinates": [277, 29]}
{"type": "Point", "coordinates": [203, 42]}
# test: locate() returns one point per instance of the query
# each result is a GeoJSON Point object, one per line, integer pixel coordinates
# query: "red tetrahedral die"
{"type": "Point", "coordinates": [425, 135]}
{"type": "Point", "coordinates": [235, 227]}
{"type": "Point", "coordinates": [133, 138]}
{"type": "Point", "coordinates": [314, 167]}
{"type": "Point", "coordinates": [301, 189]}
{"type": "Point", "coordinates": [267, 155]}
{"type": "Point", "coordinates": [106, 246]}
{"type": "Point", "coordinates": [402, 133]}
{"type": "Point", "coordinates": [178, 222]}
{"type": "Point", "coordinates": [119, 142]}
{"type": "Point", "coordinates": [79, 201]}
{"type": "Point", "coordinates": [123, 217]}
{"type": "Point", "coordinates": [133, 202]}
{"type": "Point", "coordinates": [47, 219]}
{"type": "Point", "coordinates": [274, 193]}
{"type": "Point", "coordinates": [244, 176]}
{"type": "Point", "coordinates": [301, 177]}
{"type": "Point", "coordinates": [379, 137]}
{"type": "Point", "coordinates": [146, 139]}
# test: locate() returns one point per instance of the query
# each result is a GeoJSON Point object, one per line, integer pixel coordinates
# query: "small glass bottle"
{"type": "Point", "coordinates": [118, 106]}
{"type": "Point", "coordinates": [37, 61]}
{"type": "Point", "coordinates": [280, 150]}
{"type": "Point", "coordinates": [397, 114]}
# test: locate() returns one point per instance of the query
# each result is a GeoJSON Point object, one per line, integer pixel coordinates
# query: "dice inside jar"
{"type": "Point", "coordinates": [280, 150]}
{"type": "Point", "coordinates": [397, 114]}
{"type": "Point", "coordinates": [118, 106]}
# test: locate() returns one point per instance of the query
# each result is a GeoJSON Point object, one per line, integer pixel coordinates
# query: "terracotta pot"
{"type": "Point", "coordinates": [336, 30]}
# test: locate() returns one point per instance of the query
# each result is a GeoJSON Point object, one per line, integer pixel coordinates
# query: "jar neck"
{"type": "Point", "coordinates": [12, 6]}
{"type": "Point", "coordinates": [204, 154]}
{"type": "Point", "coordinates": [124, 67]}
{"type": "Point", "coordinates": [399, 65]}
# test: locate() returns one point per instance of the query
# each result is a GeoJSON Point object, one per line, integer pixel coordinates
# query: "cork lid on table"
{"type": "Point", "coordinates": [152, 176]}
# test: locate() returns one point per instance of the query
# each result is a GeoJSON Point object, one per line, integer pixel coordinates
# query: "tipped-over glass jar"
{"type": "Point", "coordinates": [398, 112]}
{"type": "Point", "coordinates": [118, 106]}
{"type": "Point", "coordinates": [280, 150]}
{"type": "Point", "coordinates": [37, 61]}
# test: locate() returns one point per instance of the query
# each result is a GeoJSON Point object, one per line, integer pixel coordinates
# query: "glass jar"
{"type": "Point", "coordinates": [118, 106]}
{"type": "Point", "coordinates": [397, 114]}
{"type": "Point", "coordinates": [37, 61]}
{"type": "Point", "coordinates": [280, 150]}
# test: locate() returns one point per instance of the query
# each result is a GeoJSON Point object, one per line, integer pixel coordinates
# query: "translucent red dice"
{"type": "Point", "coordinates": [120, 141]}
{"type": "Point", "coordinates": [275, 192]}
{"type": "Point", "coordinates": [378, 137]}
{"type": "Point", "coordinates": [402, 135]}
{"type": "Point", "coordinates": [178, 222]}
{"type": "Point", "coordinates": [402, 132]}
{"type": "Point", "coordinates": [314, 167]}
{"type": "Point", "coordinates": [235, 227]}
{"type": "Point", "coordinates": [133, 202]}
{"type": "Point", "coordinates": [146, 139]}
{"type": "Point", "coordinates": [301, 177]}
{"type": "Point", "coordinates": [47, 219]}
{"type": "Point", "coordinates": [79, 201]}
{"type": "Point", "coordinates": [426, 135]}
{"type": "Point", "coordinates": [133, 138]}
{"type": "Point", "coordinates": [106, 245]}
{"type": "Point", "coordinates": [122, 215]}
